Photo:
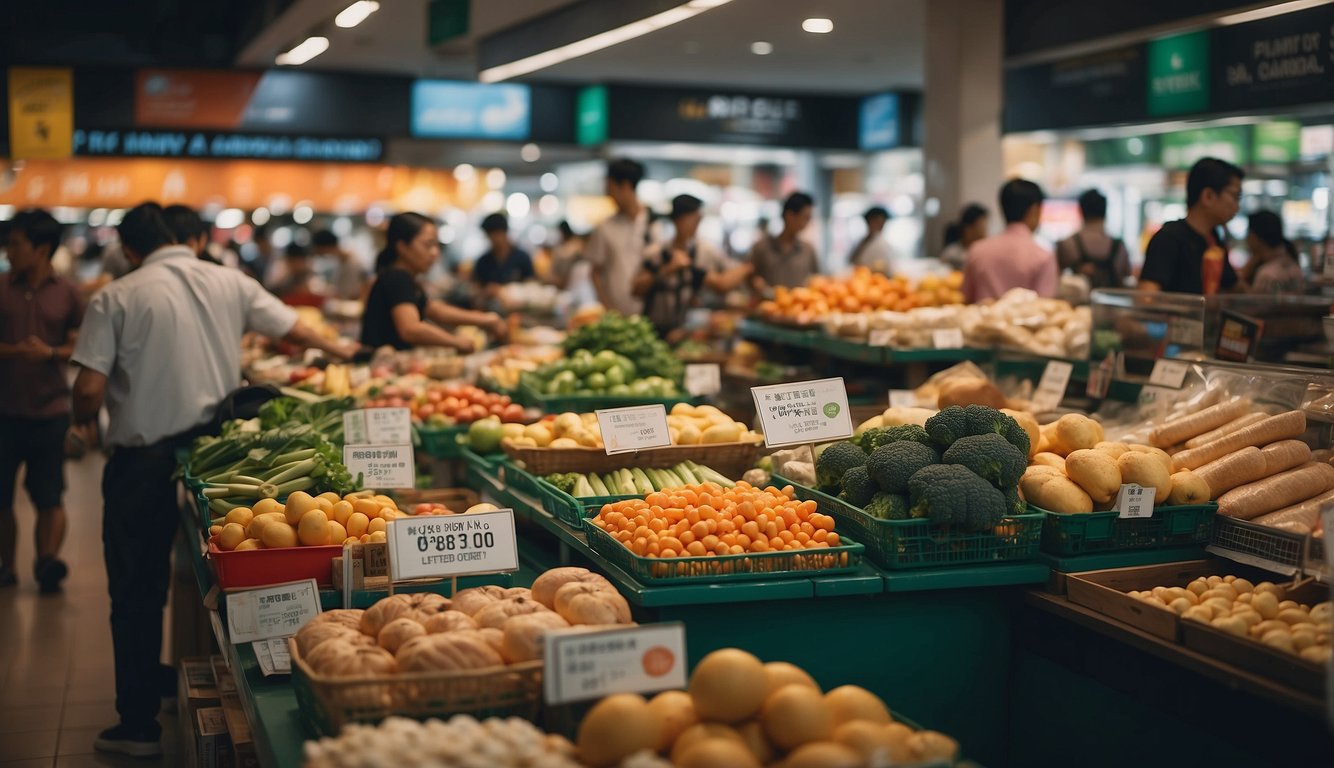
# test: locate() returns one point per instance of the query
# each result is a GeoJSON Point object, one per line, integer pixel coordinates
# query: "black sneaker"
{"type": "Point", "coordinates": [49, 572]}
{"type": "Point", "coordinates": [135, 742]}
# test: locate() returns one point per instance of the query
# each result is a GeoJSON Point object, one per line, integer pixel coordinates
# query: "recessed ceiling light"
{"type": "Point", "coordinates": [356, 13]}
{"type": "Point", "coordinates": [818, 26]}
{"type": "Point", "coordinates": [761, 48]}
{"type": "Point", "coordinates": [307, 50]}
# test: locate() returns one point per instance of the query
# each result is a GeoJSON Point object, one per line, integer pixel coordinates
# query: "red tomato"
{"type": "Point", "coordinates": [422, 509]}
{"type": "Point", "coordinates": [495, 409]}
{"type": "Point", "coordinates": [504, 399]}
{"type": "Point", "coordinates": [396, 402]}
{"type": "Point", "coordinates": [476, 412]}
{"type": "Point", "coordinates": [425, 411]}
{"type": "Point", "coordinates": [460, 413]}
{"type": "Point", "coordinates": [435, 396]}
{"type": "Point", "coordinates": [450, 403]}
{"type": "Point", "coordinates": [512, 413]}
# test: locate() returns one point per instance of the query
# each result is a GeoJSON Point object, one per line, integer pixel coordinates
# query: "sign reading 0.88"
{"type": "Point", "coordinates": [438, 546]}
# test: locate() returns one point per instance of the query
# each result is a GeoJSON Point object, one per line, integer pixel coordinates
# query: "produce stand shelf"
{"type": "Point", "coordinates": [854, 351]}
{"type": "Point", "coordinates": [1099, 561]}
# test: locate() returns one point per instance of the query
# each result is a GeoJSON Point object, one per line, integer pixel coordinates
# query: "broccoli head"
{"type": "Point", "coordinates": [990, 457]}
{"type": "Point", "coordinates": [858, 487]}
{"type": "Point", "coordinates": [891, 465]}
{"type": "Point", "coordinates": [834, 461]}
{"type": "Point", "coordinates": [947, 496]}
{"type": "Point", "coordinates": [955, 422]}
{"type": "Point", "coordinates": [888, 506]}
{"type": "Point", "coordinates": [947, 426]}
{"type": "Point", "coordinates": [564, 480]}
{"type": "Point", "coordinates": [1014, 503]}
{"type": "Point", "coordinates": [878, 436]}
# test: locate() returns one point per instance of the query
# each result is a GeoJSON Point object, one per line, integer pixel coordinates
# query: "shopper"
{"type": "Point", "coordinates": [786, 259]}
{"type": "Point", "coordinates": [161, 347]}
{"type": "Point", "coordinates": [565, 256]}
{"type": "Point", "coordinates": [298, 286]}
{"type": "Point", "coordinates": [1012, 259]}
{"type": "Point", "coordinates": [673, 274]}
{"type": "Point", "coordinates": [616, 247]}
{"type": "Point", "coordinates": [960, 235]}
{"type": "Point", "coordinates": [1273, 267]}
{"type": "Point", "coordinates": [503, 264]}
{"type": "Point", "coordinates": [873, 251]}
{"type": "Point", "coordinates": [347, 279]}
{"type": "Point", "coordinates": [1190, 255]}
{"type": "Point", "coordinates": [1091, 252]}
{"type": "Point", "coordinates": [398, 314]}
{"type": "Point", "coordinates": [189, 230]}
{"type": "Point", "coordinates": [39, 316]}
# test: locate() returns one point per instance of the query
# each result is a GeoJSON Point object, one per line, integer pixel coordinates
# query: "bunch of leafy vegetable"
{"type": "Point", "coordinates": [246, 464]}
{"type": "Point", "coordinates": [633, 337]}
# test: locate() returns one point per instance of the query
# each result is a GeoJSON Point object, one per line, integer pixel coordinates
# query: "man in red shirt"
{"type": "Point", "coordinates": [39, 312]}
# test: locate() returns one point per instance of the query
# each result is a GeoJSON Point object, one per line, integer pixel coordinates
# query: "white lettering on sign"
{"type": "Point", "coordinates": [1135, 501]}
{"type": "Point", "coordinates": [440, 546]}
{"type": "Point", "coordinates": [377, 426]}
{"type": "Point", "coordinates": [635, 428]}
{"type": "Point", "coordinates": [382, 466]}
{"type": "Point", "coordinates": [1051, 387]}
{"type": "Point", "coordinates": [588, 665]}
{"type": "Point", "coordinates": [947, 338]}
{"type": "Point", "coordinates": [703, 379]}
{"type": "Point", "coordinates": [1169, 373]}
{"type": "Point", "coordinates": [271, 612]}
{"type": "Point", "coordinates": [803, 412]}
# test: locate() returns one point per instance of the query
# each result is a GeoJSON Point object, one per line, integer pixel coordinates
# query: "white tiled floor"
{"type": "Point", "coordinates": [58, 687]}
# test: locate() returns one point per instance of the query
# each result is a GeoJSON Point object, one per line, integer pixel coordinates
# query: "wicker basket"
{"type": "Point", "coordinates": [731, 459]}
{"type": "Point", "coordinates": [329, 703]}
{"type": "Point", "coordinates": [457, 499]}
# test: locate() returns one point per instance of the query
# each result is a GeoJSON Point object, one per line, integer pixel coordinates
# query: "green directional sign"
{"type": "Point", "coordinates": [591, 116]}
{"type": "Point", "coordinates": [1179, 74]}
{"type": "Point", "coordinates": [1279, 141]}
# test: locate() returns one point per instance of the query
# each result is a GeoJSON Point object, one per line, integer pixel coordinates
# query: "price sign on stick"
{"type": "Point", "coordinates": [382, 466]}
{"type": "Point", "coordinates": [441, 546]}
{"type": "Point", "coordinates": [703, 379]}
{"type": "Point", "coordinates": [1169, 373]}
{"type": "Point", "coordinates": [1051, 387]}
{"type": "Point", "coordinates": [588, 665]}
{"type": "Point", "coordinates": [636, 428]}
{"type": "Point", "coordinates": [803, 412]}
{"type": "Point", "coordinates": [377, 426]}
{"type": "Point", "coordinates": [947, 338]}
{"type": "Point", "coordinates": [260, 614]}
{"type": "Point", "coordinates": [1135, 501]}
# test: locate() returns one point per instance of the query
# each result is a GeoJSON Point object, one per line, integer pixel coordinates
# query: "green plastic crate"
{"type": "Point", "coordinates": [567, 508]}
{"type": "Point", "coordinates": [442, 442]}
{"type": "Point", "coordinates": [845, 558]}
{"type": "Point", "coordinates": [1078, 534]}
{"type": "Point", "coordinates": [923, 544]}
{"type": "Point", "coordinates": [589, 403]}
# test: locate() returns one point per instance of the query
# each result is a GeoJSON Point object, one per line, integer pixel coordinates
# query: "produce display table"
{"type": "Point", "coordinates": [853, 351]}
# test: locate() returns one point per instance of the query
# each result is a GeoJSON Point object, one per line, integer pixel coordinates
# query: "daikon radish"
{"type": "Point", "coordinates": [1198, 423]}
{"type": "Point", "coordinates": [1228, 428]}
{"type": "Point", "coordinates": [1277, 491]}
{"type": "Point", "coordinates": [1284, 455]}
{"type": "Point", "coordinates": [1271, 430]}
{"type": "Point", "coordinates": [1237, 468]}
{"type": "Point", "coordinates": [1305, 513]}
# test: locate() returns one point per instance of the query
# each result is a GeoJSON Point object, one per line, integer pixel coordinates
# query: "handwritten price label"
{"type": "Point", "coordinates": [636, 428]}
{"type": "Point", "coordinates": [803, 412]}
{"type": "Point", "coordinates": [271, 612]}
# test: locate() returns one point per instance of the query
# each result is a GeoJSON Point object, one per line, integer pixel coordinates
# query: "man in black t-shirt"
{"type": "Point", "coordinates": [503, 264]}
{"type": "Point", "coordinates": [1190, 255]}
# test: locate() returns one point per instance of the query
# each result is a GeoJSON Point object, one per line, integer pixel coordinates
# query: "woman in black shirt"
{"type": "Point", "coordinates": [397, 310]}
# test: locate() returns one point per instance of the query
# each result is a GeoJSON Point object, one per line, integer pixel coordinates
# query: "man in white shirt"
{"type": "Point", "coordinates": [161, 347]}
{"type": "Point", "coordinates": [616, 247]}
{"type": "Point", "coordinates": [873, 251]}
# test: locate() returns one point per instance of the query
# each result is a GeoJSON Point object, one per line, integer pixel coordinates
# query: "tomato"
{"type": "Point", "coordinates": [495, 409]}
{"type": "Point", "coordinates": [460, 413]}
{"type": "Point", "coordinates": [476, 412]}
{"type": "Point", "coordinates": [435, 396]}
{"type": "Point", "coordinates": [512, 413]}
{"type": "Point", "coordinates": [425, 411]}
{"type": "Point", "coordinates": [450, 403]}
{"type": "Point", "coordinates": [421, 509]}
{"type": "Point", "coordinates": [504, 399]}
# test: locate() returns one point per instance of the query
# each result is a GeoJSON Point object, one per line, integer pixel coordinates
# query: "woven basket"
{"type": "Point", "coordinates": [730, 459]}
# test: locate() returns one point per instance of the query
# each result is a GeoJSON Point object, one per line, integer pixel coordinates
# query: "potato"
{"type": "Point", "coordinates": [1222, 590]}
{"type": "Point", "coordinates": [1095, 472]}
{"type": "Point", "coordinates": [722, 433]}
{"type": "Point", "coordinates": [1181, 605]}
{"type": "Point", "coordinates": [1112, 449]}
{"type": "Point", "coordinates": [1322, 612]}
{"type": "Point", "coordinates": [1231, 625]}
{"type": "Point", "coordinates": [1247, 615]}
{"type": "Point", "coordinates": [1202, 613]}
{"type": "Point", "coordinates": [1268, 625]}
{"type": "Point", "coordinates": [1243, 586]}
{"type": "Point", "coordinates": [1213, 581]}
{"type": "Point", "coordinates": [1176, 592]}
{"type": "Point", "coordinates": [1049, 459]}
{"type": "Point", "coordinates": [1073, 432]}
{"type": "Point", "coordinates": [1035, 476]}
{"type": "Point", "coordinates": [1280, 639]}
{"type": "Point", "coordinates": [1199, 586]}
{"type": "Point", "coordinates": [1027, 423]}
{"type": "Point", "coordinates": [1187, 488]}
{"type": "Point", "coordinates": [231, 535]}
{"type": "Point", "coordinates": [1284, 605]}
{"type": "Point", "coordinates": [1145, 470]}
{"type": "Point", "coordinates": [1292, 616]}
{"type": "Point", "coordinates": [1264, 604]}
{"type": "Point", "coordinates": [1245, 598]}
{"type": "Point", "coordinates": [1158, 453]}
{"type": "Point", "coordinates": [1318, 654]}
{"type": "Point", "coordinates": [1057, 493]}
{"type": "Point", "coordinates": [1220, 605]}
{"type": "Point", "coordinates": [1302, 640]}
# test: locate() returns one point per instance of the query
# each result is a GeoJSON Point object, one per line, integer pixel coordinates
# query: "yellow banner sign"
{"type": "Point", "coordinates": [41, 113]}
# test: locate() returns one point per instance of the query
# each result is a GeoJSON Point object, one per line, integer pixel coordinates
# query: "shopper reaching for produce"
{"type": "Point", "coordinates": [161, 346]}
{"type": "Point", "coordinates": [398, 313]}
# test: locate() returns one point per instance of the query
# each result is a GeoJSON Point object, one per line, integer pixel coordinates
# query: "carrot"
{"type": "Point", "coordinates": [1271, 430]}
{"type": "Point", "coordinates": [1242, 466]}
{"type": "Point", "coordinates": [1284, 455]}
{"type": "Point", "coordinates": [1276, 492]}
{"type": "Point", "coordinates": [1304, 514]}
{"type": "Point", "coordinates": [1226, 429]}
{"type": "Point", "coordinates": [1198, 423]}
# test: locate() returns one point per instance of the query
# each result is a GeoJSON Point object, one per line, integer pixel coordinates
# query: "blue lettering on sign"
{"type": "Point", "coordinates": [224, 146]}
{"type": "Point", "coordinates": [461, 110]}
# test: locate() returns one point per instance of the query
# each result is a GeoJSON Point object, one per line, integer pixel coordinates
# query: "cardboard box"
{"type": "Point", "coordinates": [196, 687]}
{"type": "Point", "coordinates": [238, 727]}
{"type": "Point", "coordinates": [211, 747]}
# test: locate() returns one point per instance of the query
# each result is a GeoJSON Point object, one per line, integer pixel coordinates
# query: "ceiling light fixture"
{"type": "Point", "coordinates": [594, 43]}
{"type": "Point", "coordinates": [307, 50]}
{"type": "Point", "coordinates": [761, 48]}
{"type": "Point", "coordinates": [818, 26]}
{"type": "Point", "coordinates": [356, 13]}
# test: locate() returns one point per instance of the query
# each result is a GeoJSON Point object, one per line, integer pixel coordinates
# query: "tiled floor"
{"type": "Point", "coordinates": [58, 688]}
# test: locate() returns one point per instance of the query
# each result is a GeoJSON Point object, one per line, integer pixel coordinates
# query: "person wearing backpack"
{"type": "Point", "coordinates": [1091, 252]}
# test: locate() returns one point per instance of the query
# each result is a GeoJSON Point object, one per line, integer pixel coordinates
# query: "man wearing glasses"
{"type": "Point", "coordinates": [1190, 255]}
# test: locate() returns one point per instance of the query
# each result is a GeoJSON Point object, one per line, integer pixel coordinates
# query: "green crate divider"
{"type": "Point", "coordinates": [567, 508]}
{"type": "Point", "coordinates": [518, 479]}
{"type": "Point", "coordinates": [957, 355]}
{"type": "Point", "coordinates": [443, 442]}
{"type": "Point", "coordinates": [589, 403]}
{"type": "Point", "coordinates": [1078, 534]}
{"type": "Point", "coordinates": [759, 565]}
{"type": "Point", "coordinates": [922, 544]}
{"type": "Point", "coordinates": [856, 351]}
{"type": "Point", "coordinates": [758, 330]}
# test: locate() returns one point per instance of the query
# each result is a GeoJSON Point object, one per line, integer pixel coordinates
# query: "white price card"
{"type": "Point", "coordinates": [902, 398]}
{"type": "Point", "coordinates": [273, 656]}
{"type": "Point", "coordinates": [803, 412]}
{"type": "Point", "coordinates": [1185, 332]}
{"type": "Point", "coordinates": [1169, 373]}
{"type": "Point", "coordinates": [880, 337]}
{"type": "Point", "coordinates": [947, 338]}
{"type": "Point", "coordinates": [382, 466]}
{"type": "Point", "coordinates": [1135, 501]}
{"type": "Point", "coordinates": [259, 614]}
{"type": "Point", "coordinates": [377, 426]}
{"type": "Point", "coordinates": [635, 428]}
{"type": "Point", "coordinates": [441, 546]}
{"type": "Point", "coordinates": [582, 665]}
{"type": "Point", "coordinates": [1051, 387]}
{"type": "Point", "coordinates": [703, 379]}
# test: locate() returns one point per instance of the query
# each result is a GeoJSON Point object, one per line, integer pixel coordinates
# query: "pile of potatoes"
{"type": "Point", "coordinates": [1258, 611]}
{"type": "Point", "coordinates": [1076, 471]}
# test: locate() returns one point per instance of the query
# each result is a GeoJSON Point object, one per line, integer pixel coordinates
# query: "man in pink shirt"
{"type": "Point", "coordinates": [1012, 259]}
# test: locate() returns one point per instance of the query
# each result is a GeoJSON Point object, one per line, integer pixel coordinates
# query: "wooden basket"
{"type": "Point", "coordinates": [730, 459]}
{"type": "Point", "coordinates": [329, 703]}
{"type": "Point", "coordinates": [457, 499]}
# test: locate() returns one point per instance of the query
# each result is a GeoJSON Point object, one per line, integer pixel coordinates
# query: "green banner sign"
{"type": "Point", "coordinates": [591, 114]}
{"type": "Point", "coordinates": [1179, 74]}
{"type": "Point", "coordinates": [1277, 142]}
{"type": "Point", "coordinates": [1183, 148]}
{"type": "Point", "coordinates": [1136, 150]}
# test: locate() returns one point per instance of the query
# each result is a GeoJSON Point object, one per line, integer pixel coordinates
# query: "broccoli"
{"type": "Point", "coordinates": [877, 436]}
{"type": "Point", "coordinates": [947, 426]}
{"type": "Point", "coordinates": [949, 497]}
{"type": "Point", "coordinates": [564, 480]}
{"type": "Point", "coordinates": [990, 457]}
{"type": "Point", "coordinates": [858, 487]}
{"type": "Point", "coordinates": [888, 506]}
{"type": "Point", "coordinates": [956, 421]}
{"type": "Point", "coordinates": [1014, 503]}
{"type": "Point", "coordinates": [891, 465]}
{"type": "Point", "coordinates": [834, 461]}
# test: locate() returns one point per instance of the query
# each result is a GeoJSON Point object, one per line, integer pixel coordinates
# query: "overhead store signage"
{"type": "Point", "coordinates": [225, 146]}
{"type": "Point", "coordinates": [878, 122]}
{"type": "Point", "coordinates": [1179, 74]}
{"type": "Point", "coordinates": [41, 112]}
{"type": "Point", "coordinates": [1136, 150]}
{"type": "Point", "coordinates": [1095, 89]}
{"type": "Point", "coordinates": [591, 115]}
{"type": "Point", "coordinates": [1279, 61]}
{"type": "Point", "coordinates": [460, 110]}
{"type": "Point", "coordinates": [1228, 142]}
{"type": "Point", "coordinates": [1277, 142]}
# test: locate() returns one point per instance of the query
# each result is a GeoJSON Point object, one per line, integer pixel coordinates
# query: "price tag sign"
{"type": "Point", "coordinates": [1185, 332]}
{"type": "Point", "coordinates": [1051, 387]}
{"type": "Point", "coordinates": [377, 426]}
{"type": "Point", "coordinates": [382, 466]}
{"type": "Point", "coordinates": [947, 338]}
{"type": "Point", "coordinates": [636, 428]}
{"type": "Point", "coordinates": [703, 379]}
{"type": "Point", "coordinates": [803, 412]}
{"type": "Point", "coordinates": [880, 337]}
{"type": "Point", "coordinates": [271, 612]}
{"type": "Point", "coordinates": [441, 546]}
{"type": "Point", "coordinates": [902, 398]}
{"type": "Point", "coordinates": [1169, 373]}
{"type": "Point", "coordinates": [1238, 336]}
{"type": "Point", "coordinates": [589, 665]}
{"type": "Point", "coordinates": [1135, 501]}
{"type": "Point", "coordinates": [273, 656]}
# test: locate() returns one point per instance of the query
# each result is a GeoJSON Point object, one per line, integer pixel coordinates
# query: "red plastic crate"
{"type": "Point", "coordinates": [264, 567]}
